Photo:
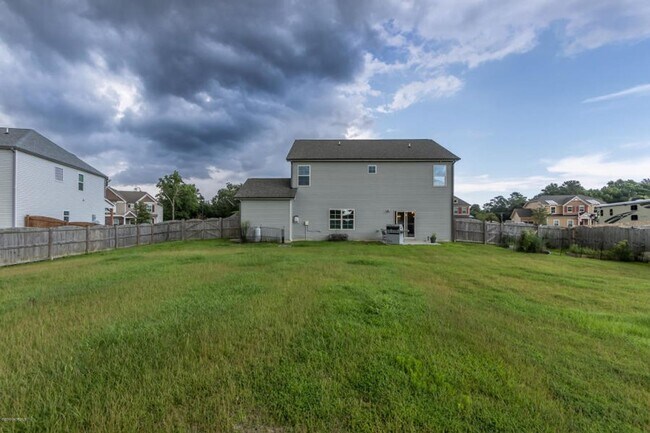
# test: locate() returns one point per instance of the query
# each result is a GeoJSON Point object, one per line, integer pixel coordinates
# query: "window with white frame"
{"type": "Point", "coordinates": [553, 210]}
{"type": "Point", "coordinates": [569, 223]}
{"type": "Point", "coordinates": [556, 222]}
{"type": "Point", "coordinates": [581, 208]}
{"type": "Point", "coordinates": [439, 175]}
{"type": "Point", "coordinates": [304, 175]}
{"type": "Point", "coordinates": [341, 219]}
{"type": "Point", "coordinates": [372, 169]}
{"type": "Point", "coordinates": [58, 174]}
{"type": "Point", "coordinates": [569, 209]}
{"type": "Point", "coordinates": [81, 182]}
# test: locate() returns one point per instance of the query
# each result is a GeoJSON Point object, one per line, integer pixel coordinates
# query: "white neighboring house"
{"type": "Point", "coordinates": [120, 206]}
{"type": "Point", "coordinates": [40, 178]}
{"type": "Point", "coordinates": [357, 187]}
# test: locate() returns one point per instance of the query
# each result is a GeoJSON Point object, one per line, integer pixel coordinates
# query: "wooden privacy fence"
{"type": "Point", "coordinates": [23, 245]}
{"type": "Point", "coordinates": [596, 238]}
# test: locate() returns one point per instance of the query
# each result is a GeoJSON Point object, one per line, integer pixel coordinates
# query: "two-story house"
{"type": "Point", "coordinates": [121, 206]}
{"type": "Point", "coordinates": [461, 208]}
{"type": "Point", "coordinates": [563, 210]}
{"type": "Point", "coordinates": [357, 187]}
{"type": "Point", "coordinates": [40, 178]}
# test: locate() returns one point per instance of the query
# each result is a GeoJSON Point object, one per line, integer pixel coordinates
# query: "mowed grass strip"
{"type": "Point", "coordinates": [214, 336]}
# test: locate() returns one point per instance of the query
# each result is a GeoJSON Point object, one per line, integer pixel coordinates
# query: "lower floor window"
{"type": "Point", "coordinates": [341, 219]}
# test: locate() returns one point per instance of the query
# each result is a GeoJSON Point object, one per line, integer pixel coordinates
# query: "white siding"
{"type": "Point", "coordinates": [6, 188]}
{"type": "Point", "coordinates": [267, 213]}
{"type": "Point", "coordinates": [397, 186]}
{"type": "Point", "coordinates": [39, 193]}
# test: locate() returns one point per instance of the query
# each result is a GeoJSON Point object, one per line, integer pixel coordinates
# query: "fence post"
{"type": "Point", "coordinates": [484, 232]}
{"type": "Point", "coordinates": [182, 230]}
{"type": "Point", "coordinates": [87, 239]}
{"type": "Point", "coordinates": [116, 237]}
{"type": "Point", "coordinates": [137, 234]}
{"type": "Point", "coordinates": [49, 243]}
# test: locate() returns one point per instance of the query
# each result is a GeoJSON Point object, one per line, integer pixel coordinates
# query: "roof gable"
{"type": "Point", "coordinates": [33, 143]}
{"type": "Point", "coordinates": [369, 150]}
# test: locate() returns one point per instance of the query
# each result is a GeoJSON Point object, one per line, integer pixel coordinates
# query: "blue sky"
{"type": "Point", "coordinates": [526, 93]}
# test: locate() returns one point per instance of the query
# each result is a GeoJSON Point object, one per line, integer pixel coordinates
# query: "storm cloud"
{"type": "Point", "coordinates": [140, 88]}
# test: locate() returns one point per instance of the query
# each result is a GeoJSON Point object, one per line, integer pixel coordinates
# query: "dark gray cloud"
{"type": "Point", "coordinates": [203, 83]}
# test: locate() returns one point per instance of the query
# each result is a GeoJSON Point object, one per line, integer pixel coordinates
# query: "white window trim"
{"type": "Point", "coordinates": [556, 223]}
{"type": "Point", "coordinates": [298, 175]}
{"type": "Point", "coordinates": [581, 208]}
{"type": "Point", "coordinates": [569, 209]}
{"type": "Point", "coordinates": [434, 176]}
{"type": "Point", "coordinates": [553, 210]}
{"type": "Point", "coordinates": [354, 220]}
{"type": "Point", "coordinates": [373, 165]}
{"type": "Point", "coordinates": [569, 223]}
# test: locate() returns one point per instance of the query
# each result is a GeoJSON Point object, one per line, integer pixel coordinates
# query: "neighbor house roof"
{"type": "Point", "coordinates": [460, 201]}
{"type": "Point", "coordinates": [266, 188]}
{"type": "Point", "coordinates": [522, 213]}
{"type": "Point", "coordinates": [560, 200]}
{"type": "Point", "coordinates": [112, 195]}
{"type": "Point", "coordinates": [33, 143]}
{"type": "Point", "coordinates": [369, 150]}
{"type": "Point", "coordinates": [133, 196]}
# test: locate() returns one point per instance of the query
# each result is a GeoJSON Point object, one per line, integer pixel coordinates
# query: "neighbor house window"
{"type": "Point", "coordinates": [465, 212]}
{"type": "Point", "coordinates": [372, 169]}
{"type": "Point", "coordinates": [611, 212]}
{"type": "Point", "coordinates": [633, 207]}
{"type": "Point", "coordinates": [58, 174]}
{"type": "Point", "coordinates": [556, 222]}
{"type": "Point", "coordinates": [569, 223]}
{"type": "Point", "coordinates": [81, 182]}
{"type": "Point", "coordinates": [66, 215]}
{"type": "Point", "coordinates": [552, 210]}
{"type": "Point", "coordinates": [304, 175]}
{"type": "Point", "coordinates": [581, 208]}
{"type": "Point", "coordinates": [150, 207]}
{"type": "Point", "coordinates": [569, 209]}
{"type": "Point", "coordinates": [634, 217]}
{"type": "Point", "coordinates": [341, 219]}
{"type": "Point", "coordinates": [439, 175]}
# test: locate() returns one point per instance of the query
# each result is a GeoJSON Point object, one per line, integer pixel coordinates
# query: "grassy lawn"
{"type": "Point", "coordinates": [212, 336]}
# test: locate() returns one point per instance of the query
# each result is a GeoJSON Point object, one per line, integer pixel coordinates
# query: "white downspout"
{"type": "Point", "coordinates": [15, 188]}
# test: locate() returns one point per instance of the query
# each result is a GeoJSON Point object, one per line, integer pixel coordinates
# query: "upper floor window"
{"type": "Point", "coordinates": [81, 182]}
{"type": "Point", "coordinates": [66, 215]}
{"type": "Point", "coordinates": [569, 209]}
{"type": "Point", "coordinates": [304, 175]}
{"type": "Point", "coordinates": [552, 210]}
{"type": "Point", "coordinates": [149, 208]}
{"type": "Point", "coordinates": [372, 169]}
{"type": "Point", "coordinates": [439, 175]}
{"type": "Point", "coordinates": [581, 208]}
{"type": "Point", "coordinates": [58, 174]}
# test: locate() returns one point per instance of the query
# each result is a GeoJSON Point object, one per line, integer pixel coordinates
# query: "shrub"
{"type": "Point", "coordinates": [434, 237]}
{"type": "Point", "coordinates": [529, 242]}
{"type": "Point", "coordinates": [506, 240]}
{"type": "Point", "coordinates": [336, 237]}
{"type": "Point", "coordinates": [579, 251]}
{"type": "Point", "coordinates": [621, 252]}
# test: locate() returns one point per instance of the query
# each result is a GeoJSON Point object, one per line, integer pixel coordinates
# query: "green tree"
{"type": "Point", "coordinates": [179, 200]}
{"type": "Point", "coordinates": [567, 188]}
{"type": "Point", "coordinates": [539, 216]}
{"type": "Point", "coordinates": [224, 203]}
{"type": "Point", "coordinates": [142, 214]}
{"type": "Point", "coordinates": [623, 190]}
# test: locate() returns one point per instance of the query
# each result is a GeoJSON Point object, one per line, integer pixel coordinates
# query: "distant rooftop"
{"type": "Point", "coordinates": [266, 188]}
{"type": "Point", "coordinates": [33, 143]}
{"type": "Point", "coordinates": [369, 150]}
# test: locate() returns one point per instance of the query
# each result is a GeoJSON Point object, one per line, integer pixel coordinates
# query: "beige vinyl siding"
{"type": "Point", "coordinates": [6, 188]}
{"type": "Point", "coordinates": [397, 186]}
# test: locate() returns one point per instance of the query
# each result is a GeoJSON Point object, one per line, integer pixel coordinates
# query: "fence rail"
{"type": "Point", "coordinates": [24, 245]}
{"type": "Point", "coordinates": [597, 238]}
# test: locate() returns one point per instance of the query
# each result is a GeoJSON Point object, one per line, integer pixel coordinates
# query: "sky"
{"type": "Point", "coordinates": [524, 92]}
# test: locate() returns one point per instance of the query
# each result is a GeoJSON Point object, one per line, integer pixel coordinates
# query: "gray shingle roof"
{"type": "Point", "coordinates": [266, 188]}
{"type": "Point", "coordinates": [369, 150]}
{"type": "Point", "coordinates": [460, 202]}
{"type": "Point", "coordinates": [563, 199]}
{"type": "Point", "coordinates": [522, 212]}
{"type": "Point", "coordinates": [131, 196]}
{"type": "Point", "coordinates": [30, 141]}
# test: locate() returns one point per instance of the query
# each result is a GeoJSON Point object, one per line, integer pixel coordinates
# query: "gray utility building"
{"type": "Point", "coordinates": [357, 187]}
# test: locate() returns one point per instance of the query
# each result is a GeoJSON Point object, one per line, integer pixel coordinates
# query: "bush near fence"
{"type": "Point", "coordinates": [23, 245]}
{"type": "Point", "coordinates": [597, 238]}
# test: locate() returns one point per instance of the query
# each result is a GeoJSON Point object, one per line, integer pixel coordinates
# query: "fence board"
{"type": "Point", "coordinates": [23, 245]}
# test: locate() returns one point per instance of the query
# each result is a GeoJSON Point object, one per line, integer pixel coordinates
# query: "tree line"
{"type": "Point", "coordinates": [181, 200]}
{"type": "Point", "coordinates": [500, 208]}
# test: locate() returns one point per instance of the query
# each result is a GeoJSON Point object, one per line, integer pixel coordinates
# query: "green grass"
{"type": "Point", "coordinates": [212, 336]}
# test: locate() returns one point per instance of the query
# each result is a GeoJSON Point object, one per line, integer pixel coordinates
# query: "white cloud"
{"type": "Point", "coordinates": [416, 91]}
{"type": "Point", "coordinates": [643, 89]}
{"type": "Point", "coordinates": [595, 170]}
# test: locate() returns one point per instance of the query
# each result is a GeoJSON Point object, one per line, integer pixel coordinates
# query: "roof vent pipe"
{"type": "Point", "coordinates": [409, 145]}
{"type": "Point", "coordinates": [339, 142]}
{"type": "Point", "coordinates": [6, 130]}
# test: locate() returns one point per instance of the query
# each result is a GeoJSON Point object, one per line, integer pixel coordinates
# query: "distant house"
{"type": "Point", "coordinates": [461, 208]}
{"type": "Point", "coordinates": [635, 212]}
{"type": "Point", "coordinates": [40, 178]}
{"type": "Point", "coordinates": [357, 187]}
{"type": "Point", "coordinates": [120, 206]}
{"type": "Point", "coordinates": [563, 210]}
